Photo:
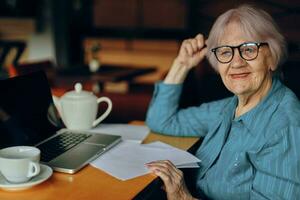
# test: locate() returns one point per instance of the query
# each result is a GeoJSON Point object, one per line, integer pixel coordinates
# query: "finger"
{"type": "Point", "coordinates": [194, 45]}
{"type": "Point", "coordinates": [167, 173]}
{"type": "Point", "coordinates": [202, 53]}
{"type": "Point", "coordinates": [200, 41]}
{"type": "Point", "coordinates": [175, 176]}
{"type": "Point", "coordinates": [156, 169]}
{"type": "Point", "coordinates": [176, 173]}
{"type": "Point", "coordinates": [169, 164]}
{"type": "Point", "coordinates": [189, 48]}
{"type": "Point", "coordinates": [182, 50]}
{"type": "Point", "coordinates": [166, 178]}
{"type": "Point", "coordinates": [167, 167]}
{"type": "Point", "coordinates": [162, 167]}
{"type": "Point", "coordinates": [171, 182]}
{"type": "Point", "coordinates": [162, 163]}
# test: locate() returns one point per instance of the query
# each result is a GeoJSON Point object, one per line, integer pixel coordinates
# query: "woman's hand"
{"type": "Point", "coordinates": [172, 177]}
{"type": "Point", "coordinates": [191, 53]}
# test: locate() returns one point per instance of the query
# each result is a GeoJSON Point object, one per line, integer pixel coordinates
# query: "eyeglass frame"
{"type": "Point", "coordinates": [258, 44]}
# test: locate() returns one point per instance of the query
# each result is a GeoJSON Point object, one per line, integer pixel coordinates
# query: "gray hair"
{"type": "Point", "coordinates": [256, 24]}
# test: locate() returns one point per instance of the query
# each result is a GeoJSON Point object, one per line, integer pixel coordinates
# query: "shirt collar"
{"type": "Point", "coordinates": [268, 104]}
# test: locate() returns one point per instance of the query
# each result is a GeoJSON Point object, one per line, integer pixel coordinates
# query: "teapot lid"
{"type": "Point", "coordinates": [78, 93]}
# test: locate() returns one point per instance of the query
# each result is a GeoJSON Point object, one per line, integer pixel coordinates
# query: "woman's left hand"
{"type": "Point", "coordinates": [172, 177]}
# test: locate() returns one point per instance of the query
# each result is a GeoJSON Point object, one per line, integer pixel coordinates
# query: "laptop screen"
{"type": "Point", "coordinates": [25, 102]}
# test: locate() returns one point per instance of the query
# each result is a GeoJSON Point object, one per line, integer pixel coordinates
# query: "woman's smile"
{"type": "Point", "coordinates": [240, 76]}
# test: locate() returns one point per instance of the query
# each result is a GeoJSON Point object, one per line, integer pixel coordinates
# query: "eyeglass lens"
{"type": "Point", "coordinates": [247, 51]}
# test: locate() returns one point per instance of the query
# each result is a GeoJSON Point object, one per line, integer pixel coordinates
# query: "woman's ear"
{"type": "Point", "coordinates": [271, 62]}
{"type": "Point", "coordinates": [272, 67]}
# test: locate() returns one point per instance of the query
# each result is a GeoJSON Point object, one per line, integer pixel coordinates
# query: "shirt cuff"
{"type": "Point", "coordinates": [167, 91]}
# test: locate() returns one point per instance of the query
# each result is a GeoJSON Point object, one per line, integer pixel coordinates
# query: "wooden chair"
{"type": "Point", "coordinates": [6, 47]}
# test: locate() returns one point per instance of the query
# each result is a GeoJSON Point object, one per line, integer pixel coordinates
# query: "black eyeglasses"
{"type": "Point", "coordinates": [248, 51]}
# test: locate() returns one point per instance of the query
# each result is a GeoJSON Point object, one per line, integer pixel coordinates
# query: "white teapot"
{"type": "Point", "coordinates": [78, 108]}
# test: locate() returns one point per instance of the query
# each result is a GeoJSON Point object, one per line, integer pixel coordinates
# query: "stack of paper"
{"type": "Point", "coordinates": [127, 160]}
{"type": "Point", "coordinates": [185, 165]}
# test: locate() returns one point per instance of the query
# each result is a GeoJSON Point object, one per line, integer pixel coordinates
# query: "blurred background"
{"type": "Point", "coordinates": [68, 35]}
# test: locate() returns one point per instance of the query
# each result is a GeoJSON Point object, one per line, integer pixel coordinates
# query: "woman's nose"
{"type": "Point", "coordinates": [237, 60]}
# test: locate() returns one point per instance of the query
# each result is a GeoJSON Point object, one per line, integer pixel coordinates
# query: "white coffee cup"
{"type": "Point", "coordinates": [19, 164]}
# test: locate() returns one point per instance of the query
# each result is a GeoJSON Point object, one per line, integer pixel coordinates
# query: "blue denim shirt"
{"type": "Point", "coordinates": [255, 156]}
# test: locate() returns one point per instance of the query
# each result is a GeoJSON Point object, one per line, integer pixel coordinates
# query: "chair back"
{"type": "Point", "coordinates": [6, 47]}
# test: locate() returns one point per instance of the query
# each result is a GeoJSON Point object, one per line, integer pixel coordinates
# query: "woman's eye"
{"type": "Point", "coordinates": [226, 53]}
{"type": "Point", "coordinates": [249, 50]}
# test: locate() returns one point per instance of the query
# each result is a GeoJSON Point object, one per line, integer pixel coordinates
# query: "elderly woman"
{"type": "Point", "coordinates": [251, 145]}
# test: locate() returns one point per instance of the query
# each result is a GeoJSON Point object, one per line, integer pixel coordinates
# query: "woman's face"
{"type": "Point", "coordinates": [240, 76]}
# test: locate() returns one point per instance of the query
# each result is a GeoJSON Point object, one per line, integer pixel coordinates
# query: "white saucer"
{"type": "Point", "coordinates": [45, 173]}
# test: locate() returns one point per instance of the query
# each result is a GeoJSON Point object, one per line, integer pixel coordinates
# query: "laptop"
{"type": "Point", "coordinates": [27, 117]}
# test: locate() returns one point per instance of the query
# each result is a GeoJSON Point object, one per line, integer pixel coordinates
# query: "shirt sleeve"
{"type": "Point", "coordinates": [277, 167]}
{"type": "Point", "coordinates": [164, 115]}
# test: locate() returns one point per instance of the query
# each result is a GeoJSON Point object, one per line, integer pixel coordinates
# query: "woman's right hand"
{"type": "Point", "coordinates": [173, 179]}
{"type": "Point", "coordinates": [191, 53]}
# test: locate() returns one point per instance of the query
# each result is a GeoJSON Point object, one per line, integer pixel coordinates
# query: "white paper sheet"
{"type": "Point", "coordinates": [164, 145]}
{"type": "Point", "coordinates": [127, 160]}
{"type": "Point", "coordinates": [134, 133]}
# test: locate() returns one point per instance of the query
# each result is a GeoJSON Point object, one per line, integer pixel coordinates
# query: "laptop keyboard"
{"type": "Point", "coordinates": [60, 144]}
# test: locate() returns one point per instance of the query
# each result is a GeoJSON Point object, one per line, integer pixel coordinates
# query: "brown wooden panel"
{"type": "Point", "coordinates": [115, 13]}
{"type": "Point", "coordinates": [164, 14]}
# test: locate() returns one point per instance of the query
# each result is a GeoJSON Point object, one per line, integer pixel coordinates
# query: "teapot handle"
{"type": "Point", "coordinates": [106, 113]}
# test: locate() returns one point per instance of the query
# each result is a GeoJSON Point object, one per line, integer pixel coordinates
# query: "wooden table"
{"type": "Point", "coordinates": [92, 183]}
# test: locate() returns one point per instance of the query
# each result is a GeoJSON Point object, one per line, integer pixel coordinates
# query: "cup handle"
{"type": "Point", "coordinates": [34, 169]}
{"type": "Point", "coordinates": [106, 113]}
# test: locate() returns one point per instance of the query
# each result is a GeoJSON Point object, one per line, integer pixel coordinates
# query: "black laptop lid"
{"type": "Point", "coordinates": [24, 105]}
